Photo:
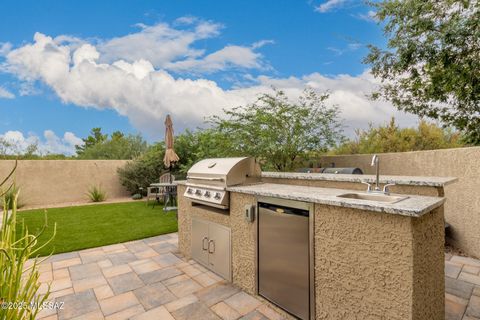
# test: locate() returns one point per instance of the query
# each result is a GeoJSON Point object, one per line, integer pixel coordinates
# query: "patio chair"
{"type": "Point", "coordinates": [157, 193]}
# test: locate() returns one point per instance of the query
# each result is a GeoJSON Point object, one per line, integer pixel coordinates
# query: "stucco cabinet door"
{"type": "Point", "coordinates": [219, 250]}
{"type": "Point", "coordinates": [200, 241]}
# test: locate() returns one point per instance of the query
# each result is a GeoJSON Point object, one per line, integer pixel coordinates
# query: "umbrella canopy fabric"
{"type": "Point", "coordinates": [170, 155]}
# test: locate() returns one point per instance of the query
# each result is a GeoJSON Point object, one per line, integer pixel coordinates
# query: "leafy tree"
{"type": "Point", "coordinates": [142, 171]}
{"type": "Point", "coordinates": [96, 137]}
{"type": "Point", "coordinates": [391, 138]}
{"type": "Point", "coordinates": [118, 146]}
{"type": "Point", "coordinates": [280, 131]}
{"type": "Point", "coordinates": [192, 146]}
{"type": "Point", "coordinates": [432, 61]}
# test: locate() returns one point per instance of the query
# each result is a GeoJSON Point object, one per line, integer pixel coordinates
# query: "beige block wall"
{"type": "Point", "coordinates": [374, 266]}
{"type": "Point", "coordinates": [48, 182]}
{"type": "Point", "coordinates": [462, 209]}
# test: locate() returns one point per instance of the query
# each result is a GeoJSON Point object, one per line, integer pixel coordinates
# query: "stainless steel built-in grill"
{"type": "Point", "coordinates": [208, 179]}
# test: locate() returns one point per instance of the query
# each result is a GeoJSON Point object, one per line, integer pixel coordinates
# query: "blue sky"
{"type": "Point", "coordinates": [68, 66]}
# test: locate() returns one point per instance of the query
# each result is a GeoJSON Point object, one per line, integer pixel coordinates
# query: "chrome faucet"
{"type": "Point", "coordinates": [376, 163]}
{"type": "Point", "coordinates": [377, 189]}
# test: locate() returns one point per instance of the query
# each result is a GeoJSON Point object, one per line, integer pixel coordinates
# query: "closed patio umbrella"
{"type": "Point", "coordinates": [170, 157]}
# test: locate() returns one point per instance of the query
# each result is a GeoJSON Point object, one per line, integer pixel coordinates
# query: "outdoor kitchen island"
{"type": "Point", "coordinates": [368, 259]}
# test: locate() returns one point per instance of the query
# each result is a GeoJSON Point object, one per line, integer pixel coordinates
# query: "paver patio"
{"type": "Point", "coordinates": [149, 279]}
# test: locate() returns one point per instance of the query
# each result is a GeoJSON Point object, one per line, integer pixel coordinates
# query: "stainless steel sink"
{"type": "Point", "coordinates": [373, 197]}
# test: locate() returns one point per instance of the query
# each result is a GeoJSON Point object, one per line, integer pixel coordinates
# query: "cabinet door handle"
{"type": "Point", "coordinates": [204, 247]}
{"type": "Point", "coordinates": [209, 246]}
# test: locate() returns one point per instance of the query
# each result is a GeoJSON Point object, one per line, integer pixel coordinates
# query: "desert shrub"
{"type": "Point", "coordinates": [137, 196]}
{"type": "Point", "coordinates": [144, 170]}
{"type": "Point", "coordinates": [96, 194]}
{"type": "Point", "coordinates": [392, 138]}
{"type": "Point", "coordinates": [19, 276]}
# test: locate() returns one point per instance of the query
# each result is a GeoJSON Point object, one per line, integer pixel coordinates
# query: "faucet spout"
{"type": "Point", "coordinates": [376, 163]}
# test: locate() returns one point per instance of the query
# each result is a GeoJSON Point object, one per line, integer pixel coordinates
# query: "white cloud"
{"type": "Point", "coordinates": [186, 20]}
{"type": "Point", "coordinates": [5, 48]}
{"type": "Point", "coordinates": [262, 43]}
{"type": "Point", "coordinates": [370, 16]}
{"type": "Point", "coordinates": [4, 93]}
{"type": "Point", "coordinates": [228, 57]}
{"type": "Point", "coordinates": [353, 46]}
{"type": "Point", "coordinates": [145, 94]}
{"type": "Point", "coordinates": [160, 44]}
{"type": "Point", "coordinates": [330, 5]}
{"type": "Point", "coordinates": [18, 143]}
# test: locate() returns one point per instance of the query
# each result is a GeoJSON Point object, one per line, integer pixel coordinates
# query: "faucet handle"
{"type": "Point", "coordinates": [369, 186]}
{"type": "Point", "coordinates": [386, 188]}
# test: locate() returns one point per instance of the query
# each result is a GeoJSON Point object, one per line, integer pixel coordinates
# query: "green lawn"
{"type": "Point", "coordinates": [97, 225]}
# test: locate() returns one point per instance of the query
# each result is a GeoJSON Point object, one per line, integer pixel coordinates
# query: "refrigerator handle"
{"type": "Point", "coordinates": [204, 247]}
{"type": "Point", "coordinates": [211, 242]}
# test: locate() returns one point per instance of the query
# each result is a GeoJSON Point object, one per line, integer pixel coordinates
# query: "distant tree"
{"type": "Point", "coordinates": [5, 146]}
{"type": "Point", "coordinates": [96, 137]}
{"type": "Point", "coordinates": [432, 61]}
{"type": "Point", "coordinates": [278, 130]}
{"type": "Point", "coordinates": [117, 146]}
{"type": "Point", "coordinates": [391, 138]}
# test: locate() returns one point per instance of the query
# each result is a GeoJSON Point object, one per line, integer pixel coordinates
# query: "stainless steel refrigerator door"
{"type": "Point", "coordinates": [283, 260]}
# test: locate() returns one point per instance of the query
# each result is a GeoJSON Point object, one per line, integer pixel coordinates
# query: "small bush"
{"type": "Point", "coordinates": [96, 194]}
{"type": "Point", "coordinates": [137, 196]}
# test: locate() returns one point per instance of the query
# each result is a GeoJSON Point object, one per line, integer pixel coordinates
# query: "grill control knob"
{"type": "Point", "coordinates": [189, 190]}
{"type": "Point", "coordinates": [198, 192]}
{"type": "Point", "coordinates": [207, 194]}
{"type": "Point", "coordinates": [217, 195]}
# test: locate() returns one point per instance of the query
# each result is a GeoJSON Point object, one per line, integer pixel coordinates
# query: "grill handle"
{"type": "Point", "coordinates": [204, 178]}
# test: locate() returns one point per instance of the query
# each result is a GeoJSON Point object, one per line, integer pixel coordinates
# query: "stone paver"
{"type": "Point", "coordinates": [154, 295]}
{"type": "Point", "coordinates": [195, 311]}
{"type": "Point", "coordinates": [126, 313]}
{"type": "Point", "coordinates": [225, 312]}
{"type": "Point", "coordinates": [118, 303]}
{"type": "Point", "coordinates": [462, 288]}
{"type": "Point", "coordinates": [184, 288]}
{"type": "Point", "coordinates": [83, 271]}
{"type": "Point", "coordinates": [243, 303]}
{"type": "Point", "coordinates": [159, 275]}
{"type": "Point", "coordinates": [149, 279]}
{"type": "Point", "coordinates": [157, 313]}
{"type": "Point", "coordinates": [125, 282]}
{"type": "Point", "coordinates": [78, 304]}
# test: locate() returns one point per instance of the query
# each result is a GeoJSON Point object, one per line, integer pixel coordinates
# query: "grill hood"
{"type": "Point", "coordinates": [224, 172]}
{"type": "Point", "coordinates": [208, 179]}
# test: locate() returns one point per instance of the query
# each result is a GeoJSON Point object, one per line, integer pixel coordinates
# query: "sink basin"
{"type": "Point", "coordinates": [373, 197]}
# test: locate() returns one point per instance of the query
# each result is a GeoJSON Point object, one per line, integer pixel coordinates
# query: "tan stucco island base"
{"type": "Point", "coordinates": [367, 264]}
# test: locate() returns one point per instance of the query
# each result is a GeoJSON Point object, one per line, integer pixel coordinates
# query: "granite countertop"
{"type": "Point", "coordinates": [400, 180]}
{"type": "Point", "coordinates": [413, 206]}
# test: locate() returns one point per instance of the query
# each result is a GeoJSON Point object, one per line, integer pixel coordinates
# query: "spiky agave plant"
{"type": "Point", "coordinates": [18, 275]}
{"type": "Point", "coordinates": [96, 194]}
